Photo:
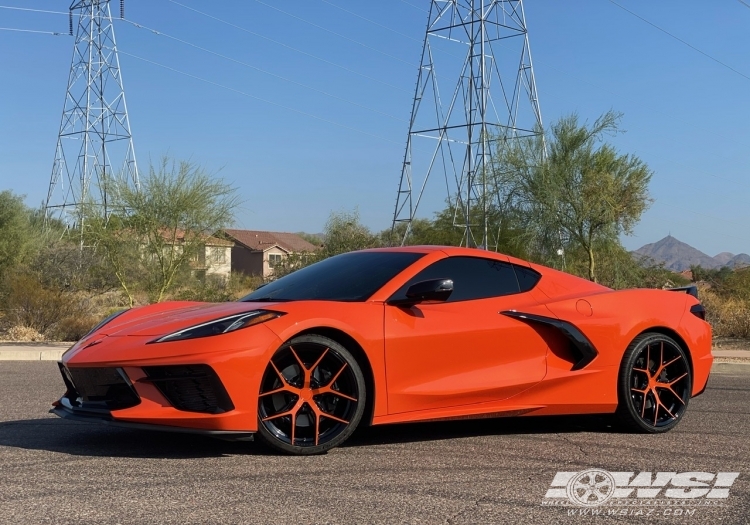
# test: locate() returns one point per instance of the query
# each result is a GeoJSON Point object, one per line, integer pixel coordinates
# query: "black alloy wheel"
{"type": "Point", "coordinates": [655, 384]}
{"type": "Point", "coordinates": [312, 396]}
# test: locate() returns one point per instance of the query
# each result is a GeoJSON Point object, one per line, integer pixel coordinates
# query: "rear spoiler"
{"type": "Point", "coordinates": [690, 290]}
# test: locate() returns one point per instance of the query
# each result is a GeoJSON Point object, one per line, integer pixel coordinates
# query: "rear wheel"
{"type": "Point", "coordinates": [654, 384]}
{"type": "Point", "coordinates": [312, 396]}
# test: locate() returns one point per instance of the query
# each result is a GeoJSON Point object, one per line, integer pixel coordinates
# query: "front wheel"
{"type": "Point", "coordinates": [312, 396]}
{"type": "Point", "coordinates": [654, 384]}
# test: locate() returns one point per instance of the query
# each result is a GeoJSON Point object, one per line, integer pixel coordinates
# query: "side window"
{"type": "Point", "coordinates": [473, 278]}
{"type": "Point", "coordinates": [527, 278]}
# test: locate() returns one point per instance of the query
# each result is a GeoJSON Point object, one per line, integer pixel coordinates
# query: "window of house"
{"type": "Point", "coordinates": [274, 259]}
{"type": "Point", "coordinates": [473, 278]}
{"type": "Point", "coordinates": [218, 255]}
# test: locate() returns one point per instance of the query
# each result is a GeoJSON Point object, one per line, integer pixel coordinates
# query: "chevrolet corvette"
{"type": "Point", "coordinates": [389, 336]}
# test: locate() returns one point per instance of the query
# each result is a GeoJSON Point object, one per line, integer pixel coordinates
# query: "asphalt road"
{"type": "Point", "coordinates": [486, 471]}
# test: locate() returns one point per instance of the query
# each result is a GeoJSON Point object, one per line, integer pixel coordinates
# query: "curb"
{"type": "Point", "coordinates": [34, 355]}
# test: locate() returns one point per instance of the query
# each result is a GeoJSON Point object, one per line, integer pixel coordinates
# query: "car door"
{"type": "Point", "coordinates": [462, 351]}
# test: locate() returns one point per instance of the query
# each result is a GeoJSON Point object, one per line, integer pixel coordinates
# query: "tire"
{"type": "Point", "coordinates": [312, 396]}
{"type": "Point", "coordinates": [654, 384]}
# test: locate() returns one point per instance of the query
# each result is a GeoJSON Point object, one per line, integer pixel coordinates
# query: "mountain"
{"type": "Point", "coordinates": [678, 256]}
{"type": "Point", "coordinates": [723, 258]}
{"type": "Point", "coordinates": [739, 261]}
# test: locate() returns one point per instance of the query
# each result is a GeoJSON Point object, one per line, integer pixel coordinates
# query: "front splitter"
{"type": "Point", "coordinates": [231, 435]}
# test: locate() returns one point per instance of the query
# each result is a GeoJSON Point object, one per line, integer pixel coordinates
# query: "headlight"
{"type": "Point", "coordinates": [221, 326]}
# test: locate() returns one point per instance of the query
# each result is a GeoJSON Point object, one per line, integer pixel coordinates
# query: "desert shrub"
{"type": "Point", "coordinates": [217, 289]}
{"type": "Point", "coordinates": [23, 333]}
{"type": "Point", "coordinates": [728, 316]}
{"type": "Point", "coordinates": [29, 304]}
{"type": "Point", "coordinates": [73, 328]}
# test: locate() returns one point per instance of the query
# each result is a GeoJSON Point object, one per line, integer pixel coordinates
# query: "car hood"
{"type": "Point", "coordinates": [164, 318]}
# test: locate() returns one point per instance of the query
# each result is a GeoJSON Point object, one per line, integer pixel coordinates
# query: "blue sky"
{"type": "Point", "coordinates": [686, 115]}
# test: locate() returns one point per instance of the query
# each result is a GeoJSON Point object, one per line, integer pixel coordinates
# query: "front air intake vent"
{"type": "Point", "coordinates": [192, 388]}
{"type": "Point", "coordinates": [98, 388]}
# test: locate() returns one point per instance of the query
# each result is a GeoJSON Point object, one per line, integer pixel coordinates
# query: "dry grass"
{"type": "Point", "coordinates": [729, 317]}
{"type": "Point", "coordinates": [23, 334]}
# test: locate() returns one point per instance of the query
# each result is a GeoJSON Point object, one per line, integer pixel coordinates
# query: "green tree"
{"type": "Point", "coordinates": [161, 226]}
{"type": "Point", "coordinates": [344, 232]}
{"type": "Point", "coordinates": [584, 192]}
{"type": "Point", "coordinates": [16, 234]}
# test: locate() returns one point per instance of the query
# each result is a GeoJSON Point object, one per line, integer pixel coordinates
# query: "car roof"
{"type": "Point", "coordinates": [450, 251]}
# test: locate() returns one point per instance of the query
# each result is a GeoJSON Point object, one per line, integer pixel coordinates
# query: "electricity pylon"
{"type": "Point", "coordinates": [95, 145]}
{"type": "Point", "coordinates": [476, 54]}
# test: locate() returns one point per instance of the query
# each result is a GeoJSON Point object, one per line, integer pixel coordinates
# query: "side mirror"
{"type": "Point", "coordinates": [432, 290]}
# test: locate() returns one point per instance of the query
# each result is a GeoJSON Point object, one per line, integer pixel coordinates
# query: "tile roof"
{"type": "Point", "coordinates": [261, 241]}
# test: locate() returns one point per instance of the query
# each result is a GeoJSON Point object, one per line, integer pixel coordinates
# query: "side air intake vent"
{"type": "Point", "coordinates": [192, 388]}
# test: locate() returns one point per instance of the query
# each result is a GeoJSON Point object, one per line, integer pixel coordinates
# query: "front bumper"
{"type": "Point", "coordinates": [206, 385]}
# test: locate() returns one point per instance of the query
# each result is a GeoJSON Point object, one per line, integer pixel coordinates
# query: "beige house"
{"type": "Point", "coordinates": [257, 252]}
{"type": "Point", "coordinates": [215, 258]}
{"type": "Point", "coordinates": [214, 255]}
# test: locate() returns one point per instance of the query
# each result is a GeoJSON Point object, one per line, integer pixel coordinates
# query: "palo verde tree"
{"type": "Point", "coordinates": [584, 191]}
{"type": "Point", "coordinates": [162, 226]}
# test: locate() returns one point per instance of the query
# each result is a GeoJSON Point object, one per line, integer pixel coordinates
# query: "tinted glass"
{"type": "Point", "coordinates": [527, 278]}
{"type": "Point", "coordinates": [473, 278]}
{"type": "Point", "coordinates": [349, 277]}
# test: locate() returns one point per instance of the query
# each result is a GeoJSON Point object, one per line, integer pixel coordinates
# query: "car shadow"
{"type": "Point", "coordinates": [96, 439]}
{"type": "Point", "coordinates": [87, 439]}
{"type": "Point", "coordinates": [442, 430]}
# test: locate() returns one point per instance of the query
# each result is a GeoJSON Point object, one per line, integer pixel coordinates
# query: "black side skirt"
{"type": "Point", "coordinates": [582, 348]}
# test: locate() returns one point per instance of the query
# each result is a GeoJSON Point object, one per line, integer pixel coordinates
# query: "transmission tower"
{"type": "Point", "coordinates": [94, 145]}
{"type": "Point", "coordinates": [476, 55]}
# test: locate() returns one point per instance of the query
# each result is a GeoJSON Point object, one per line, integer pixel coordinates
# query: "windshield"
{"type": "Point", "coordinates": [351, 276]}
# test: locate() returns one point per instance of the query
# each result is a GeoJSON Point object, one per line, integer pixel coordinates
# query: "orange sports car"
{"type": "Point", "coordinates": [388, 336]}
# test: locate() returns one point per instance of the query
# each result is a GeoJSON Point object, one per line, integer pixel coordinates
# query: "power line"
{"type": "Point", "coordinates": [33, 10]}
{"type": "Point", "coordinates": [334, 33]}
{"type": "Point", "coordinates": [415, 6]}
{"type": "Point", "coordinates": [282, 44]}
{"type": "Point", "coordinates": [245, 64]}
{"type": "Point", "coordinates": [744, 3]}
{"type": "Point", "coordinates": [575, 76]}
{"type": "Point", "coordinates": [53, 33]}
{"type": "Point", "coordinates": [691, 46]}
{"type": "Point", "coordinates": [243, 93]}
{"type": "Point", "coordinates": [372, 21]}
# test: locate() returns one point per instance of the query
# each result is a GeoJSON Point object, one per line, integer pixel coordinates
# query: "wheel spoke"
{"type": "Point", "coordinates": [329, 390]}
{"type": "Point", "coordinates": [274, 391]}
{"type": "Point", "coordinates": [329, 416]}
{"type": "Point", "coordinates": [335, 377]}
{"type": "Point", "coordinates": [675, 380]}
{"type": "Point", "coordinates": [290, 412]}
{"type": "Point", "coordinates": [302, 368]}
{"type": "Point", "coordinates": [316, 363]}
{"type": "Point", "coordinates": [281, 376]}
